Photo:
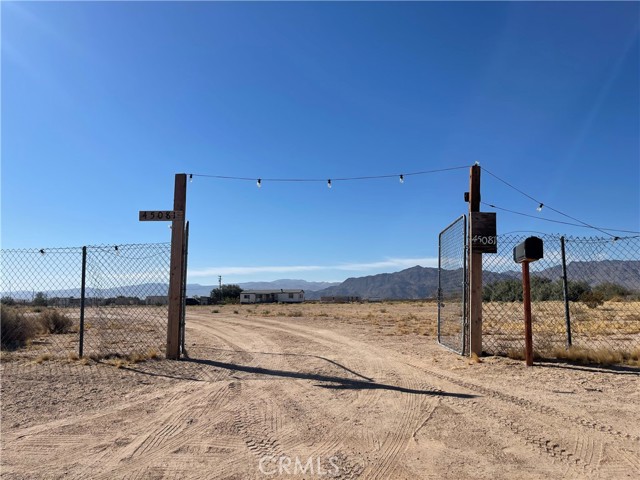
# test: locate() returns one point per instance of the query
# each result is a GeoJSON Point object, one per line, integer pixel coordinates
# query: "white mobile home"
{"type": "Point", "coordinates": [272, 296]}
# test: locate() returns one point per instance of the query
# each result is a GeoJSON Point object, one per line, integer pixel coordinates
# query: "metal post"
{"type": "Point", "coordinates": [528, 331]}
{"type": "Point", "coordinates": [82, 300]}
{"type": "Point", "coordinates": [184, 289]}
{"type": "Point", "coordinates": [565, 291]}
{"type": "Point", "coordinates": [440, 284]}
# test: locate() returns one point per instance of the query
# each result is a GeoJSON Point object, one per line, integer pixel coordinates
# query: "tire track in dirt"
{"type": "Point", "coordinates": [71, 439]}
{"type": "Point", "coordinates": [394, 442]}
{"type": "Point", "coordinates": [267, 442]}
{"type": "Point", "coordinates": [172, 431]}
{"type": "Point", "coordinates": [391, 446]}
{"type": "Point", "coordinates": [581, 458]}
{"type": "Point", "coordinates": [530, 405]}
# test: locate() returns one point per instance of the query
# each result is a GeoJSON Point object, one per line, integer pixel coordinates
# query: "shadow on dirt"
{"type": "Point", "coordinates": [328, 380]}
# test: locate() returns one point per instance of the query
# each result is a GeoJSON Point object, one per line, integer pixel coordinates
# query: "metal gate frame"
{"type": "Point", "coordinates": [464, 323]}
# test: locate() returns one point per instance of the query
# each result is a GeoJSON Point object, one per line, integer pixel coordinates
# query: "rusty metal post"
{"type": "Point", "coordinates": [528, 331]}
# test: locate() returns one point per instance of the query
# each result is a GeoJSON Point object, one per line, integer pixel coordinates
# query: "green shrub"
{"type": "Point", "coordinates": [15, 329]}
{"type": "Point", "coordinates": [55, 322]}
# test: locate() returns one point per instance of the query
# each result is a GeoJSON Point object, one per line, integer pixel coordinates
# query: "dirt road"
{"type": "Point", "coordinates": [303, 397]}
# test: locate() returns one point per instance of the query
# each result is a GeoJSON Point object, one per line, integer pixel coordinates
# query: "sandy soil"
{"type": "Point", "coordinates": [303, 392]}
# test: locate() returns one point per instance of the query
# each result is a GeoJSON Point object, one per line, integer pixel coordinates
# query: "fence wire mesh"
{"type": "Point", "coordinates": [451, 286]}
{"type": "Point", "coordinates": [125, 305]}
{"type": "Point", "coordinates": [602, 311]}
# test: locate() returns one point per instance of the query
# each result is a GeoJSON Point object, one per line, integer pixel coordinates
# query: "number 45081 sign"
{"type": "Point", "coordinates": [483, 232]}
{"type": "Point", "coordinates": [159, 215]}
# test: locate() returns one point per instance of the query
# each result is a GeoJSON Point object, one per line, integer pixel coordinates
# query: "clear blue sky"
{"type": "Point", "coordinates": [102, 103]}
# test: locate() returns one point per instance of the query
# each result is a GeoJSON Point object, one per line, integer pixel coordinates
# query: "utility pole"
{"type": "Point", "coordinates": [220, 286]}
{"type": "Point", "coordinates": [475, 268]}
{"type": "Point", "coordinates": [176, 268]}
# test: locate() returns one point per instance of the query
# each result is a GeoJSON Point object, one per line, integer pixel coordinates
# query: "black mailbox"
{"type": "Point", "coordinates": [528, 251]}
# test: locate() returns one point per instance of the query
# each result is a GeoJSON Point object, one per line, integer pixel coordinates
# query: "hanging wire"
{"type": "Point", "coordinates": [541, 205]}
{"type": "Point", "coordinates": [324, 180]}
{"type": "Point", "coordinates": [537, 217]}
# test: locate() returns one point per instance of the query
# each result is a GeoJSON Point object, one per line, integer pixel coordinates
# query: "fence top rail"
{"type": "Point", "coordinates": [114, 247]}
{"type": "Point", "coordinates": [569, 238]}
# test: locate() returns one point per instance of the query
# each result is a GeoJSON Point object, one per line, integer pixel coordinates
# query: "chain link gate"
{"type": "Point", "coordinates": [452, 286]}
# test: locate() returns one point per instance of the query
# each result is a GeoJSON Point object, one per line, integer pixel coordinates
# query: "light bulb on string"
{"type": "Point", "coordinates": [259, 183]}
{"type": "Point", "coordinates": [191, 178]}
{"type": "Point", "coordinates": [117, 251]}
{"type": "Point", "coordinates": [401, 178]}
{"type": "Point", "coordinates": [539, 209]}
{"type": "Point", "coordinates": [329, 183]}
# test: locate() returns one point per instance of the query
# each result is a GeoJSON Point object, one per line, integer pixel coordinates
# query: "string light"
{"type": "Point", "coordinates": [259, 183]}
{"type": "Point", "coordinates": [191, 178]}
{"type": "Point", "coordinates": [329, 183]}
{"type": "Point", "coordinates": [117, 251]}
{"type": "Point", "coordinates": [292, 180]}
{"type": "Point", "coordinates": [602, 229]}
{"type": "Point", "coordinates": [42, 251]}
{"type": "Point", "coordinates": [401, 178]}
{"type": "Point", "coordinates": [540, 205]}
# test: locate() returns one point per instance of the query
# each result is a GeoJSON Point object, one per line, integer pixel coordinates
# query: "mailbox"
{"type": "Point", "coordinates": [528, 251]}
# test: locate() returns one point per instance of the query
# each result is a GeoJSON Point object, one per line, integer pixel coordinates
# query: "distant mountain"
{"type": "Point", "coordinates": [204, 290]}
{"type": "Point", "coordinates": [413, 283]}
{"type": "Point", "coordinates": [419, 282]}
{"type": "Point", "coordinates": [288, 284]}
{"type": "Point", "coordinates": [622, 272]}
{"type": "Point", "coordinates": [141, 291]}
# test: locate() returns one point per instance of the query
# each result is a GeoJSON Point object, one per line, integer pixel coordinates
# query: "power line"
{"type": "Point", "coordinates": [542, 204]}
{"type": "Point", "coordinates": [602, 229]}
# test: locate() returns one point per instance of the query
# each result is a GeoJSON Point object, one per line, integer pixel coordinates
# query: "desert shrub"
{"type": "Point", "coordinates": [6, 300]}
{"type": "Point", "coordinates": [15, 329]}
{"type": "Point", "coordinates": [295, 313]}
{"type": "Point", "coordinates": [53, 321]}
{"type": "Point", "coordinates": [592, 299]}
{"type": "Point", "coordinates": [611, 290]}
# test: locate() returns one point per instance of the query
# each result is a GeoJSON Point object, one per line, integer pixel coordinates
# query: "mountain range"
{"type": "Point", "coordinates": [422, 282]}
{"type": "Point", "coordinates": [413, 283]}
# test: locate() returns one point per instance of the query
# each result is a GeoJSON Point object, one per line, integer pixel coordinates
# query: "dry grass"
{"type": "Point", "coordinates": [598, 356]}
{"type": "Point", "coordinates": [474, 359]}
{"type": "Point", "coordinates": [43, 358]}
{"type": "Point", "coordinates": [120, 361]}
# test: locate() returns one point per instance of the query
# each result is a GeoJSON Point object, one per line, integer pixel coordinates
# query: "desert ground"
{"type": "Point", "coordinates": [318, 391]}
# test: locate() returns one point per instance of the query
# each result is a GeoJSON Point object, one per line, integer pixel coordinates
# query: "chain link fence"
{"type": "Point", "coordinates": [585, 293]}
{"type": "Point", "coordinates": [451, 286]}
{"type": "Point", "coordinates": [97, 301]}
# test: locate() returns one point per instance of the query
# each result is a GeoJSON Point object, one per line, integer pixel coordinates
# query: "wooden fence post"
{"type": "Point", "coordinates": [475, 269]}
{"type": "Point", "coordinates": [176, 268]}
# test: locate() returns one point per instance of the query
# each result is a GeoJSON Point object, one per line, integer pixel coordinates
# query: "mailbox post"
{"type": "Point", "coordinates": [524, 253]}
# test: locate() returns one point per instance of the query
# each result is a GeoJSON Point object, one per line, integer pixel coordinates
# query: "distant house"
{"type": "Point", "coordinates": [157, 300]}
{"type": "Point", "coordinates": [272, 296]}
{"type": "Point", "coordinates": [340, 299]}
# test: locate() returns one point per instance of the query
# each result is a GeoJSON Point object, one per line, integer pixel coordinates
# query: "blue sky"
{"type": "Point", "coordinates": [102, 103]}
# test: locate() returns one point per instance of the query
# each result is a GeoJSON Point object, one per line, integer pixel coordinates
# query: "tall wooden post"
{"type": "Point", "coordinates": [176, 269]}
{"type": "Point", "coordinates": [475, 268]}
